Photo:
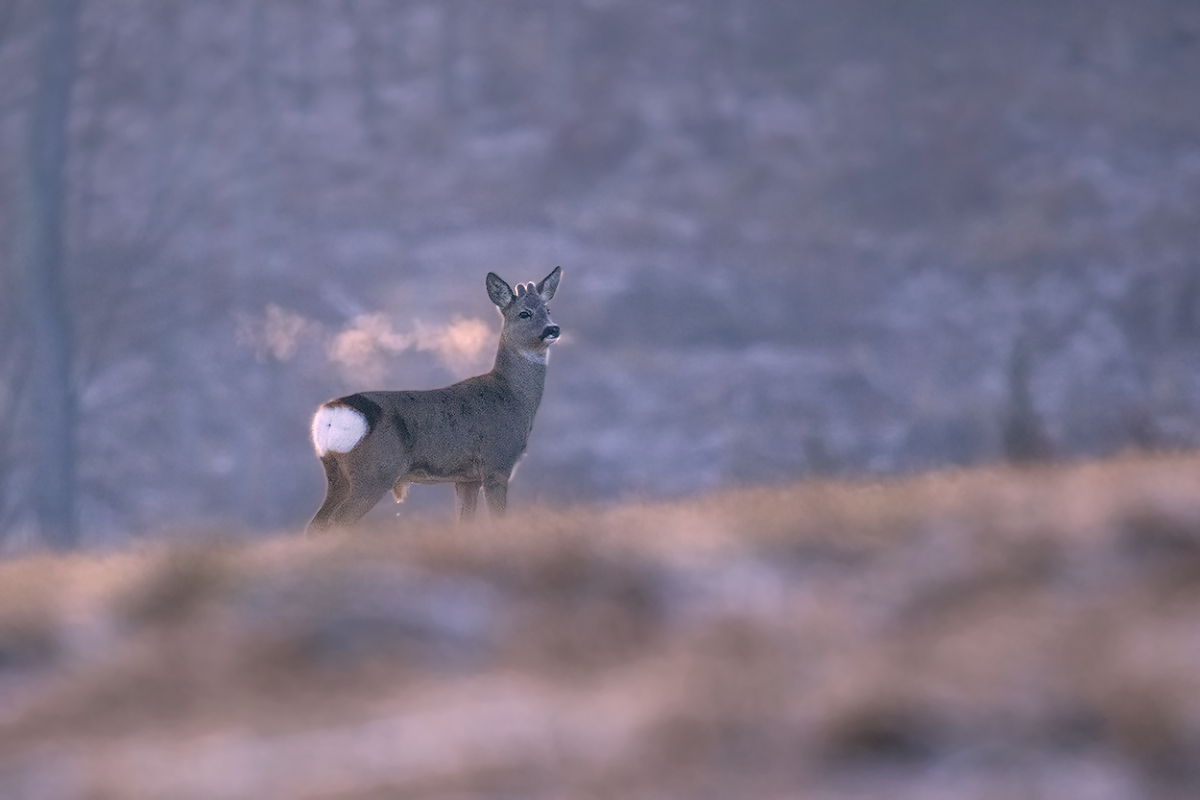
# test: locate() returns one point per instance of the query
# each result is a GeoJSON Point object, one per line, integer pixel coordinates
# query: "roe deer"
{"type": "Point", "coordinates": [471, 433]}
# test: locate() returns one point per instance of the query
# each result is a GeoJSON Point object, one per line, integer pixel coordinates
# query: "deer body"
{"type": "Point", "coordinates": [471, 433]}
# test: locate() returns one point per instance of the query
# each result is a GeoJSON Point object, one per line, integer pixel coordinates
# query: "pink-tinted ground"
{"type": "Point", "coordinates": [983, 634]}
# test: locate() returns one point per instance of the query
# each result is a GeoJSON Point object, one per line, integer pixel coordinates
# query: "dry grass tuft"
{"type": "Point", "coordinates": [976, 634]}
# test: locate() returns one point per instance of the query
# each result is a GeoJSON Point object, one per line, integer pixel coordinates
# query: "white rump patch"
{"type": "Point", "coordinates": [337, 429]}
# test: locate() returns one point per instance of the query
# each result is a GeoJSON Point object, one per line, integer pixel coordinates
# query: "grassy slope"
{"type": "Point", "coordinates": [988, 633]}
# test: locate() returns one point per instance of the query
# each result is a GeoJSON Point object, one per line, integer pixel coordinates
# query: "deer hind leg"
{"type": "Point", "coordinates": [467, 496]}
{"type": "Point", "coordinates": [335, 494]}
{"type": "Point", "coordinates": [495, 491]}
{"type": "Point", "coordinates": [365, 491]}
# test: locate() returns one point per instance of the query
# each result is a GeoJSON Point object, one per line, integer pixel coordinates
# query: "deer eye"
{"type": "Point", "coordinates": [524, 315]}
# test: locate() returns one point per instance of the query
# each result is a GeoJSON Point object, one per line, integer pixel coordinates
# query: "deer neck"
{"type": "Point", "coordinates": [523, 370]}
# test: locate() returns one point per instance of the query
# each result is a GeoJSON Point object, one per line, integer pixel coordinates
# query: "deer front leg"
{"type": "Point", "coordinates": [468, 495]}
{"type": "Point", "coordinates": [495, 491]}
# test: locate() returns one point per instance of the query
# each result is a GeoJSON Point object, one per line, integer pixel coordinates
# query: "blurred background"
{"type": "Point", "coordinates": [799, 237]}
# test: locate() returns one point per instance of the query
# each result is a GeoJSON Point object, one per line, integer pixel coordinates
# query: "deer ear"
{"type": "Point", "coordinates": [549, 284]}
{"type": "Point", "coordinates": [500, 292]}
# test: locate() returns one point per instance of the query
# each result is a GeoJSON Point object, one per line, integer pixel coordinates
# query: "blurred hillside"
{"type": "Point", "coordinates": [830, 237]}
{"type": "Point", "coordinates": [982, 634]}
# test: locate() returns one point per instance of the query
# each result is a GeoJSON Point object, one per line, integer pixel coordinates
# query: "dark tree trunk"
{"type": "Point", "coordinates": [53, 398]}
{"type": "Point", "coordinates": [366, 69]}
{"type": "Point", "coordinates": [458, 60]}
{"type": "Point", "coordinates": [560, 71]}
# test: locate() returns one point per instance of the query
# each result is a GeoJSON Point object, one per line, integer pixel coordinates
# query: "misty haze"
{"type": "Point", "coordinates": [804, 239]}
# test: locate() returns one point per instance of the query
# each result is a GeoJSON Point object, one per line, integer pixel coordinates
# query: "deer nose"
{"type": "Point", "coordinates": [550, 333]}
